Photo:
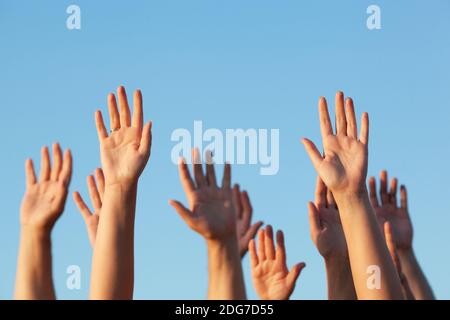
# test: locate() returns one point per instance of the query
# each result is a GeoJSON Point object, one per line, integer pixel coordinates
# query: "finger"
{"type": "Point", "coordinates": [184, 213]}
{"type": "Point", "coordinates": [125, 117]}
{"type": "Point", "coordinates": [66, 171]}
{"type": "Point", "coordinates": [253, 256]}
{"type": "Point", "coordinates": [114, 118]}
{"type": "Point", "coordinates": [295, 273]}
{"type": "Point", "coordinates": [270, 246]}
{"type": "Point", "coordinates": [314, 219]}
{"type": "Point", "coordinates": [45, 165]}
{"type": "Point", "coordinates": [325, 123]}
{"type": "Point", "coordinates": [251, 232]}
{"type": "Point", "coordinates": [100, 181]}
{"type": "Point", "coordinates": [330, 200]}
{"type": "Point", "coordinates": [138, 112]}
{"type": "Point", "coordinates": [352, 127]}
{"type": "Point", "coordinates": [82, 207]}
{"type": "Point", "coordinates": [313, 153]}
{"type": "Point", "coordinates": [57, 162]}
{"type": "Point", "coordinates": [393, 191]}
{"type": "Point", "coordinates": [321, 194]}
{"type": "Point", "coordinates": [237, 201]}
{"type": "Point", "coordinates": [383, 187]}
{"type": "Point", "coordinates": [210, 172]}
{"type": "Point", "coordinates": [404, 197]}
{"type": "Point", "coordinates": [101, 130]}
{"type": "Point", "coordinates": [341, 122]}
{"type": "Point", "coordinates": [373, 192]}
{"type": "Point", "coordinates": [281, 250]}
{"type": "Point", "coordinates": [226, 179]}
{"type": "Point", "coordinates": [93, 193]}
{"type": "Point", "coordinates": [261, 245]}
{"type": "Point", "coordinates": [390, 243]}
{"type": "Point", "coordinates": [364, 132]}
{"type": "Point", "coordinates": [247, 210]}
{"type": "Point", "coordinates": [200, 179]}
{"type": "Point", "coordinates": [185, 177]}
{"type": "Point", "coordinates": [145, 145]}
{"type": "Point", "coordinates": [29, 173]}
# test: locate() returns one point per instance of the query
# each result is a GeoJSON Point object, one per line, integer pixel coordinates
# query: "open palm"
{"type": "Point", "coordinates": [44, 201]}
{"type": "Point", "coordinates": [212, 209]}
{"type": "Point", "coordinates": [271, 277]}
{"type": "Point", "coordinates": [388, 210]}
{"type": "Point", "coordinates": [125, 152]}
{"type": "Point", "coordinates": [344, 163]}
{"type": "Point", "coordinates": [325, 224]}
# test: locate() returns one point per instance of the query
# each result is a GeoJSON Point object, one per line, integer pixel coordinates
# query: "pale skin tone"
{"type": "Point", "coordinates": [42, 205]}
{"type": "Point", "coordinates": [124, 154]}
{"type": "Point", "coordinates": [328, 236]}
{"type": "Point", "coordinates": [343, 169]}
{"type": "Point", "coordinates": [212, 212]}
{"type": "Point", "coordinates": [388, 209]}
{"type": "Point", "coordinates": [271, 276]}
{"type": "Point", "coordinates": [96, 186]}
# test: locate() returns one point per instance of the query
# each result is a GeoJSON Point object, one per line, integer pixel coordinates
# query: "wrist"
{"type": "Point", "coordinates": [35, 233]}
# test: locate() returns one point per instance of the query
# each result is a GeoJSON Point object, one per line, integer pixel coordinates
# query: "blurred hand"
{"type": "Point", "coordinates": [343, 168]}
{"type": "Point", "coordinates": [388, 210]}
{"type": "Point", "coordinates": [245, 230]}
{"type": "Point", "coordinates": [271, 277]}
{"type": "Point", "coordinates": [212, 209]}
{"type": "Point", "coordinates": [96, 190]}
{"type": "Point", "coordinates": [325, 224]}
{"type": "Point", "coordinates": [125, 152]}
{"type": "Point", "coordinates": [44, 201]}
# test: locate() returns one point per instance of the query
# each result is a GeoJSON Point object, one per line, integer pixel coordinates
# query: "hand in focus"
{"type": "Point", "coordinates": [271, 277]}
{"type": "Point", "coordinates": [343, 167]}
{"type": "Point", "coordinates": [125, 152]}
{"type": "Point", "coordinates": [44, 200]}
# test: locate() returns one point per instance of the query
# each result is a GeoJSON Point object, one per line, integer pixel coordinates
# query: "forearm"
{"type": "Point", "coordinates": [339, 279]}
{"type": "Point", "coordinates": [113, 260]}
{"type": "Point", "coordinates": [34, 269]}
{"type": "Point", "coordinates": [416, 279]}
{"type": "Point", "coordinates": [226, 280]}
{"type": "Point", "coordinates": [367, 248]}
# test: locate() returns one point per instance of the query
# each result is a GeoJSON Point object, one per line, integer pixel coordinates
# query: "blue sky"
{"type": "Point", "coordinates": [233, 64]}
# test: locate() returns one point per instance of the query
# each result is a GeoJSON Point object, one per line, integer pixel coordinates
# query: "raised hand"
{"type": "Point", "coordinates": [388, 209]}
{"type": "Point", "coordinates": [44, 200]}
{"type": "Point", "coordinates": [96, 191]}
{"type": "Point", "coordinates": [212, 210]}
{"type": "Point", "coordinates": [325, 224]}
{"type": "Point", "coordinates": [271, 277]}
{"type": "Point", "coordinates": [343, 167]}
{"type": "Point", "coordinates": [125, 152]}
{"type": "Point", "coordinates": [246, 231]}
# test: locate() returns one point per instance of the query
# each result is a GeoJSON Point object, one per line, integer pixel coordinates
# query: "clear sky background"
{"type": "Point", "coordinates": [231, 64]}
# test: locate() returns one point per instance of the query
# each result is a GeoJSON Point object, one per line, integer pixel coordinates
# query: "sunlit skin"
{"type": "Point", "coordinates": [212, 212]}
{"type": "Point", "coordinates": [388, 209]}
{"type": "Point", "coordinates": [329, 239]}
{"type": "Point", "coordinates": [343, 169]}
{"type": "Point", "coordinates": [271, 277]}
{"type": "Point", "coordinates": [42, 205]}
{"type": "Point", "coordinates": [124, 154]}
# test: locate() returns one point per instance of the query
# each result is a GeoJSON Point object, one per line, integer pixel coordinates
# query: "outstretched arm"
{"type": "Point", "coordinates": [343, 168]}
{"type": "Point", "coordinates": [271, 277]}
{"type": "Point", "coordinates": [328, 236]}
{"type": "Point", "coordinates": [212, 213]}
{"type": "Point", "coordinates": [124, 154]}
{"type": "Point", "coordinates": [42, 205]}
{"type": "Point", "coordinates": [388, 210]}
